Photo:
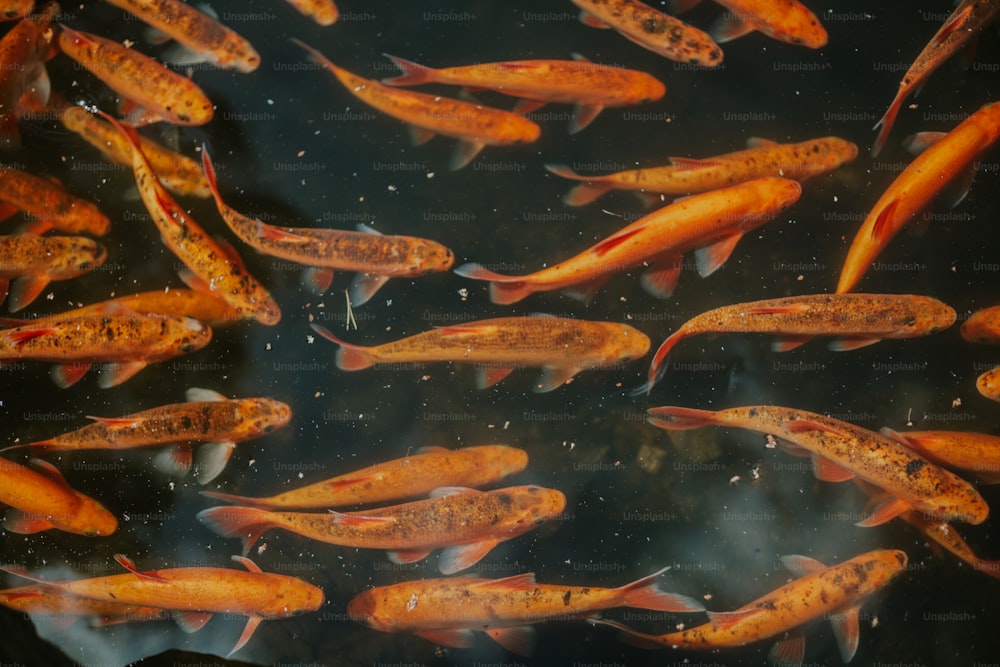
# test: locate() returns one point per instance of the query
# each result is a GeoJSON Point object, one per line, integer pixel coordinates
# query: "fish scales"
{"type": "Point", "coordinates": [58, 257]}
{"type": "Point", "coordinates": [49, 203]}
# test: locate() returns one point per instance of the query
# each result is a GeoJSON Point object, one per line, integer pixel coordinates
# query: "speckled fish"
{"type": "Point", "coordinates": [42, 500]}
{"type": "Point", "coordinates": [854, 320]}
{"type": "Point", "coordinates": [213, 267]}
{"type": "Point", "coordinates": [43, 604]}
{"type": "Point", "coordinates": [449, 611]}
{"type": "Point", "coordinates": [684, 176]}
{"type": "Point", "coordinates": [652, 29]}
{"type": "Point", "coordinates": [561, 346]}
{"type": "Point", "coordinates": [208, 417]}
{"type": "Point", "coordinates": [376, 257]}
{"type": "Point", "coordinates": [323, 12]}
{"type": "Point", "coordinates": [977, 454]}
{"type": "Point", "coordinates": [202, 37]}
{"type": "Point", "coordinates": [960, 28]}
{"type": "Point", "coordinates": [982, 326]}
{"type": "Point", "coordinates": [711, 223]}
{"type": "Point", "coordinates": [152, 91]}
{"type": "Point", "coordinates": [195, 593]}
{"type": "Point", "coordinates": [408, 477]}
{"type": "Point", "coordinates": [474, 125]}
{"type": "Point", "coordinates": [988, 384]}
{"type": "Point", "coordinates": [951, 159]}
{"type": "Point", "coordinates": [787, 21]}
{"type": "Point", "coordinates": [124, 344]}
{"type": "Point", "coordinates": [22, 69]}
{"type": "Point", "coordinates": [11, 10]}
{"type": "Point", "coordinates": [49, 204]}
{"type": "Point", "coordinates": [841, 450]}
{"type": "Point", "coordinates": [34, 261]}
{"type": "Point", "coordinates": [464, 522]}
{"type": "Point", "coordinates": [835, 593]}
{"type": "Point", "coordinates": [178, 173]}
{"type": "Point", "coordinates": [590, 86]}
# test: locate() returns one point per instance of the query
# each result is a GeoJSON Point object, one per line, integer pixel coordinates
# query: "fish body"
{"type": "Point", "coordinates": [988, 384]}
{"type": "Point", "coordinates": [685, 176]}
{"type": "Point", "coordinates": [50, 205]}
{"type": "Point", "coordinates": [787, 21]}
{"type": "Point", "coordinates": [561, 346]}
{"type": "Point", "coordinates": [949, 159]}
{"type": "Point", "coordinates": [323, 12]}
{"type": "Point", "coordinates": [974, 453]}
{"type": "Point", "coordinates": [465, 522]}
{"type": "Point", "coordinates": [474, 125]}
{"type": "Point", "coordinates": [841, 450]}
{"type": "Point", "coordinates": [982, 326]}
{"type": "Point", "coordinates": [34, 261]}
{"type": "Point", "coordinates": [414, 475]}
{"type": "Point", "coordinates": [41, 603]}
{"type": "Point", "coordinates": [22, 68]}
{"type": "Point", "coordinates": [855, 320]}
{"type": "Point", "coordinates": [712, 223]}
{"type": "Point", "coordinates": [11, 10]}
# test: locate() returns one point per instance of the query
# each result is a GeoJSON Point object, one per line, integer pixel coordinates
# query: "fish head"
{"type": "Point", "coordinates": [628, 343]}
{"type": "Point", "coordinates": [190, 335]}
{"type": "Point", "coordinates": [932, 316]}
{"type": "Point", "coordinates": [259, 416]}
{"type": "Point", "coordinates": [431, 257]}
{"type": "Point", "coordinates": [237, 53]}
{"type": "Point", "coordinates": [505, 460]}
{"type": "Point", "coordinates": [91, 519]}
{"type": "Point", "coordinates": [533, 506]}
{"type": "Point", "coordinates": [364, 608]}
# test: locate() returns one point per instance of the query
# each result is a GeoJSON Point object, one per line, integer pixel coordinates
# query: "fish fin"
{"type": "Point", "coordinates": [645, 594]}
{"type": "Point", "coordinates": [230, 251]}
{"type": "Point", "coordinates": [826, 470]}
{"type": "Point", "coordinates": [19, 571]}
{"type": "Point", "coordinates": [584, 115]}
{"type": "Point", "coordinates": [318, 279]}
{"type": "Point", "coordinates": [419, 135]}
{"type": "Point", "coordinates": [236, 500]}
{"type": "Point", "coordinates": [788, 652]}
{"type": "Point", "coordinates": [487, 377]}
{"type": "Point", "coordinates": [848, 344]}
{"type": "Point", "coordinates": [786, 343]}
{"type": "Point", "coordinates": [761, 142]}
{"type": "Point", "coordinates": [728, 27]}
{"type": "Point", "coordinates": [958, 187]}
{"type": "Point", "coordinates": [465, 152]}
{"type": "Point", "coordinates": [248, 630]}
{"type": "Point", "coordinates": [18, 522]}
{"type": "Point", "coordinates": [247, 563]}
{"type": "Point", "coordinates": [585, 193]}
{"type": "Point", "coordinates": [174, 461]}
{"type": "Point", "coordinates": [710, 258]}
{"type": "Point", "coordinates": [517, 582]}
{"type": "Point", "coordinates": [846, 632]}
{"type": "Point", "coordinates": [19, 337]}
{"type": "Point", "coordinates": [680, 419]}
{"type": "Point", "coordinates": [189, 278]}
{"type": "Point", "coordinates": [345, 519]}
{"type": "Point", "coordinates": [657, 369]}
{"type": "Point", "coordinates": [200, 395]}
{"type": "Point", "coordinates": [617, 239]}
{"type": "Point", "coordinates": [40, 87]}
{"type": "Point", "coordinates": [519, 640]}
{"type": "Point", "coordinates": [915, 144]}
{"type": "Point", "coordinates": [349, 357]}
{"type": "Point", "coordinates": [406, 556]}
{"type": "Point", "coordinates": [880, 230]}
{"type": "Point", "coordinates": [524, 107]}
{"type": "Point", "coordinates": [272, 233]}
{"type": "Point", "coordinates": [885, 511]}
{"type": "Point", "coordinates": [805, 425]}
{"type": "Point", "coordinates": [66, 375]}
{"type": "Point", "coordinates": [954, 22]}
{"type": "Point", "coordinates": [552, 378]}
{"type": "Point", "coordinates": [341, 484]}
{"type": "Point", "coordinates": [179, 54]}
{"type": "Point", "coordinates": [721, 620]}
{"type": "Point", "coordinates": [447, 491]}
{"type": "Point", "coordinates": [448, 637]}
{"type": "Point", "coordinates": [660, 280]}
{"type": "Point", "coordinates": [25, 290]}
{"type": "Point", "coordinates": [113, 421]}
{"type": "Point", "coordinates": [246, 523]}
{"type": "Point", "coordinates": [211, 460]}
{"type": "Point", "coordinates": [413, 74]}
{"type": "Point", "coordinates": [364, 286]}
{"type": "Point", "coordinates": [592, 21]}
{"type": "Point", "coordinates": [457, 558]}
{"type": "Point", "coordinates": [117, 372]}
{"type": "Point", "coordinates": [691, 162]}
{"type": "Point", "coordinates": [503, 289]}
{"type": "Point", "coordinates": [800, 566]}
{"type": "Point", "coordinates": [887, 121]}
{"type": "Point", "coordinates": [50, 471]}
{"type": "Point", "coordinates": [147, 575]}
{"type": "Point", "coordinates": [191, 621]}
{"type": "Point", "coordinates": [584, 292]}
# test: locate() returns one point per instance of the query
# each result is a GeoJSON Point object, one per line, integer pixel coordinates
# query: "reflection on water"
{"type": "Point", "coordinates": [293, 147]}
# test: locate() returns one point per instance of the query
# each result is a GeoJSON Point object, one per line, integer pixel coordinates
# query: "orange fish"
{"type": "Point", "coordinates": [711, 223]}
{"type": "Point", "coordinates": [202, 38]}
{"type": "Point", "coordinates": [49, 204]}
{"type": "Point", "coordinates": [475, 126]}
{"type": "Point", "coordinates": [125, 344]}
{"type": "Point", "coordinates": [41, 604]}
{"type": "Point", "coordinates": [835, 593]}
{"type": "Point", "coordinates": [959, 29]}
{"type": "Point", "coordinates": [561, 346]}
{"type": "Point", "coordinates": [965, 451]}
{"type": "Point", "coordinates": [685, 176]}
{"type": "Point", "coordinates": [323, 12]}
{"type": "Point", "coordinates": [34, 261]}
{"type": "Point", "coordinates": [591, 87]}
{"type": "Point", "coordinates": [988, 384]}
{"type": "Point", "coordinates": [952, 158]}
{"type": "Point", "coordinates": [193, 594]}
{"type": "Point", "coordinates": [208, 417]}
{"type": "Point", "coordinates": [448, 611]}
{"type": "Point", "coordinates": [23, 51]}
{"type": "Point", "coordinates": [464, 522]}
{"type": "Point", "coordinates": [15, 9]}
{"type": "Point", "coordinates": [415, 475]}
{"type": "Point", "coordinates": [841, 450]}
{"type": "Point", "coordinates": [213, 267]}
{"type": "Point", "coordinates": [652, 29]}
{"type": "Point", "coordinates": [375, 256]}
{"type": "Point", "coordinates": [856, 320]}
{"type": "Point", "coordinates": [983, 326]}
{"type": "Point", "coordinates": [159, 93]}
{"type": "Point", "coordinates": [787, 21]}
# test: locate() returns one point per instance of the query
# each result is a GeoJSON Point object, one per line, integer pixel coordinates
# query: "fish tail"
{"type": "Point", "coordinates": [209, 168]}
{"type": "Point", "coordinates": [256, 503]}
{"type": "Point", "coordinates": [886, 123]}
{"type": "Point", "coordinates": [675, 418]}
{"type": "Point", "coordinates": [657, 369]}
{"type": "Point", "coordinates": [349, 357]}
{"type": "Point", "coordinates": [503, 289]}
{"type": "Point", "coordinates": [413, 73]}
{"type": "Point", "coordinates": [645, 594]}
{"type": "Point", "coordinates": [246, 523]}
{"type": "Point", "coordinates": [584, 193]}
{"type": "Point", "coordinates": [37, 448]}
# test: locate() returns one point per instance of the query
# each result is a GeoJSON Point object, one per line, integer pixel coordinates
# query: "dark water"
{"type": "Point", "coordinates": [638, 499]}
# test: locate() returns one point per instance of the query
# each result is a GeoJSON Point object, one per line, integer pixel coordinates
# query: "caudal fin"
{"type": "Point", "coordinates": [256, 503]}
{"type": "Point", "coordinates": [349, 357]}
{"type": "Point", "coordinates": [585, 193]}
{"type": "Point", "coordinates": [886, 123]}
{"type": "Point", "coordinates": [674, 418]}
{"type": "Point", "coordinates": [503, 289]}
{"type": "Point", "coordinates": [246, 523]}
{"type": "Point", "coordinates": [657, 369]}
{"type": "Point", "coordinates": [645, 594]}
{"type": "Point", "coordinates": [413, 74]}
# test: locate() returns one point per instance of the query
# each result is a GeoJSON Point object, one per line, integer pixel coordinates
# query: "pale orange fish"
{"type": "Point", "coordinates": [685, 176]}
{"type": "Point", "coordinates": [323, 12]}
{"type": "Point", "coordinates": [855, 320]}
{"type": "Point", "coordinates": [159, 93]}
{"type": "Point", "coordinates": [49, 204]}
{"type": "Point", "coordinates": [408, 477]}
{"type": "Point", "coordinates": [23, 51]}
{"type": "Point", "coordinates": [784, 20]}
{"type": "Point", "coordinates": [202, 37]}
{"type": "Point", "coordinates": [449, 611]}
{"type": "Point", "coordinates": [651, 29]}
{"type": "Point", "coordinates": [840, 450]}
{"type": "Point", "coordinates": [952, 158]}
{"type": "Point", "coordinates": [711, 223]}
{"type": "Point", "coordinates": [44, 604]}
{"type": "Point", "coordinates": [123, 344]}
{"type": "Point", "coordinates": [561, 346]}
{"type": "Point", "coordinates": [194, 594]}
{"type": "Point", "coordinates": [835, 593]}
{"type": "Point", "coordinates": [213, 267]}
{"type": "Point", "coordinates": [975, 453]}
{"type": "Point", "coordinates": [962, 26]}
{"type": "Point", "coordinates": [988, 384]}
{"type": "Point", "coordinates": [464, 522]}
{"type": "Point", "coordinates": [475, 126]}
{"type": "Point", "coordinates": [983, 326]}
{"type": "Point", "coordinates": [42, 500]}
{"type": "Point", "coordinates": [376, 257]}
{"type": "Point", "coordinates": [34, 261]}
{"type": "Point", "coordinates": [590, 86]}
{"type": "Point", "coordinates": [207, 417]}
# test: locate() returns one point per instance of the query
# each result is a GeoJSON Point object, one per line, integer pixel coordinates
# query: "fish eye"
{"type": "Point", "coordinates": [267, 428]}
{"type": "Point", "coordinates": [187, 347]}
